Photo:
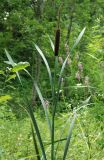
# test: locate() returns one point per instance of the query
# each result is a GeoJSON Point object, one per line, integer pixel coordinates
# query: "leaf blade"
{"type": "Point", "coordinates": [43, 104]}
{"type": "Point", "coordinates": [47, 66]}
{"type": "Point", "coordinates": [20, 66]}
{"type": "Point", "coordinates": [35, 144]}
{"type": "Point", "coordinates": [69, 137]}
{"type": "Point", "coordinates": [52, 44]}
{"type": "Point", "coordinates": [78, 39]}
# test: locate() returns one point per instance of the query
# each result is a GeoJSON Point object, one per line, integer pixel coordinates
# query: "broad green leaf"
{"type": "Point", "coordinates": [11, 77]}
{"type": "Point", "coordinates": [1, 72]}
{"type": "Point", "coordinates": [78, 39]}
{"type": "Point", "coordinates": [12, 63]}
{"type": "Point", "coordinates": [5, 98]}
{"type": "Point", "coordinates": [20, 66]}
{"type": "Point", "coordinates": [69, 137]}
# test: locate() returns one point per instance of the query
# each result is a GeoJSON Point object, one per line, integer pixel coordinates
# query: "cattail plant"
{"type": "Point", "coordinates": [36, 133]}
{"type": "Point", "coordinates": [57, 41]}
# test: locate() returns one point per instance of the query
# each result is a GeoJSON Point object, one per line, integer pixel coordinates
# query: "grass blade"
{"type": "Point", "coordinates": [93, 57]}
{"type": "Point", "coordinates": [35, 143]}
{"type": "Point", "coordinates": [69, 137]}
{"type": "Point", "coordinates": [78, 39]}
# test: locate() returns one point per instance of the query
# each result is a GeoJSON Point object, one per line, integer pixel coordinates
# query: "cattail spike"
{"type": "Point", "coordinates": [57, 42]}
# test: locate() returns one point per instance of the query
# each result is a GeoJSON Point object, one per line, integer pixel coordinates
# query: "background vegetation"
{"type": "Point", "coordinates": [24, 23]}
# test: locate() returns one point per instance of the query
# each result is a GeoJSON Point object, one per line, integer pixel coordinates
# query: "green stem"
{"type": "Point", "coordinates": [53, 110]}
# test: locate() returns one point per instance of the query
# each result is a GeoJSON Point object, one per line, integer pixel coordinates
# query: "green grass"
{"type": "Point", "coordinates": [86, 144]}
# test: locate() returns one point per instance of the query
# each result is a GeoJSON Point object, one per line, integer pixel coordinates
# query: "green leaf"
{"type": "Point", "coordinates": [11, 62]}
{"type": "Point", "coordinates": [78, 39]}
{"type": "Point", "coordinates": [47, 66]}
{"type": "Point", "coordinates": [8, 62]}
{"type": "Point", "coordinates": [69, 137]}
{"type": "Point", "coordinates": [43, 104]}
{"type": "Point", "coordinates": [9, 58]}
{"type": "Point", "coordinates": [37, 131]}
{"type": "Point", "coordinates": [5, 98]}
{"type": "Point", "coordinates": [35, 143]}
{"type": "Point", "coordinates": [11, 77]}
{"type": "Point", "coordinates": [60, 77]}
{"type": "Point", "coordinates": [52, 45]}
{"type": "Point", "coordinates": [20, 66]}
{"type": "Point", "coordinates": [93, 57]}
{"type": "Point", "coordinates": [1, 72]}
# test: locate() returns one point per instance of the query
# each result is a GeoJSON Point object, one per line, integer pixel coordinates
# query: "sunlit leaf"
{"type": "Point", "coordinates": [11, 77]}
{"type": "Point", "coordinates": [93, 56]}
{"type": "Point", "coordinates": [85, 102]}
{"type": "Point", "coordinates": [78, 39]}
{"type": "Point", "coordinates": [9, 58]}
{"type": "Point", "coordinates": [12, 63]}
{"type": "Point", "coordinates": [20, 66]}
{"type": "Point", "coordinates": [8, 62]}
{"type": "Point", "coordinates": [5, 98]}
{"type": "Point", "coordinates": [1, 72]}
{"type": "Point", "coordinates": [52, 45]}
{"type": "Point", "coordinates": [47, 65]}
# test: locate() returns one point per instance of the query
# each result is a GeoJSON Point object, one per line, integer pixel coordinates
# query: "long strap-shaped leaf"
{"type": "Point", "coordinates": [52, 45]}
{"type": "Point", "coordinates": [35, 144]}
{"type": "Point", "coordinates": [41, 99]}
{"type": "Point", "coordinates": [64, 63]}
{"type": "Point", "coordinates": [47, 66]}
{"type": "Point", "coordinates": [37, 132]}
{"type": "Point", "coordinates": [43, 104]}
{"type": "Point", "coordinates": [69, 137]}
{"type": "Point", "coordinates": [78, 39]}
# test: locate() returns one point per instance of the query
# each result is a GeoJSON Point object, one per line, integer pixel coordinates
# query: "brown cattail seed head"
{"type": "Point", "coordinates": [57, 42]}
